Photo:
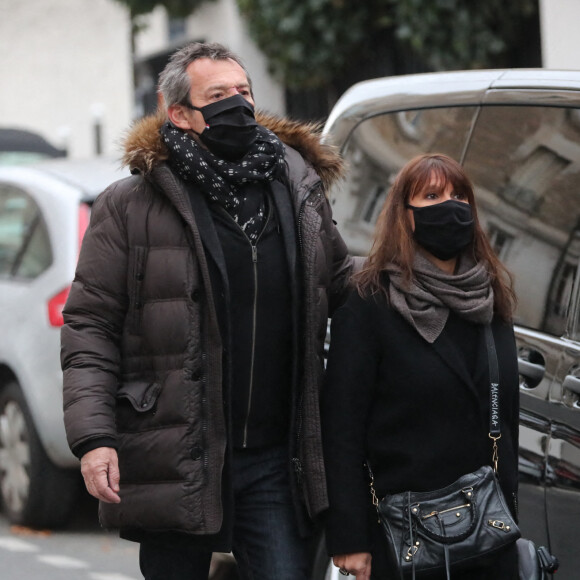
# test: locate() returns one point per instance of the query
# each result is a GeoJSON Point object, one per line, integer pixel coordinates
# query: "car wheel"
{"type": "Point", "coordinates": [33, 491]}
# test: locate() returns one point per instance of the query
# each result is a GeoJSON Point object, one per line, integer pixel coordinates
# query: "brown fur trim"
{"type": "Point", "coordinates": [305, 138]}
{"type": "Point", "coordinates": [144, 147]}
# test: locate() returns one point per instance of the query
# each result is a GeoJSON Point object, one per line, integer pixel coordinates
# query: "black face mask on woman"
{"type": "Point", "coordinates": [443, 229]}
{"type": "Point", "coordinates": [231, 128]}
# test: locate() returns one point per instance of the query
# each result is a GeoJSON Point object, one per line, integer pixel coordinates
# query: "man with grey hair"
{"type": "Point", "coordinates": [192, 347]}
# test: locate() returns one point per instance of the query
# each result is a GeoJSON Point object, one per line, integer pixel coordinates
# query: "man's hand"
{"type": "Point", "coordinates": [100, 469]}
{"type": "Point", "coordinates": [358, 564]}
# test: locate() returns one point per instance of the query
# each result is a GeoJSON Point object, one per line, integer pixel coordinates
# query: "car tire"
{"type": "Point", "coordinates": [33, 491]}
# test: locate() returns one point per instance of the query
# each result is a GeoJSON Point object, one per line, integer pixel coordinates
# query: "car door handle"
{"type": "Point", "coordinates": [531, 371]}
{"type": "Point", "coordinates": [572, 383]}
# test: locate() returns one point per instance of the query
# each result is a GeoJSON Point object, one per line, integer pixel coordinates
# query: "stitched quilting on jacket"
{"type": "Point", "coordinates": [141, 344]}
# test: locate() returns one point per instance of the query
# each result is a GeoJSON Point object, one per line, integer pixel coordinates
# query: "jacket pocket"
{"type": "Point", "coordinates": [141, 394]}
{"type": "Point", "coordinates": [136, 405]}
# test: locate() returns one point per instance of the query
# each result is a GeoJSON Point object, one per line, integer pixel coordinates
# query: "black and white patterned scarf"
{"type": "Point", "coordinates": [223, 181]}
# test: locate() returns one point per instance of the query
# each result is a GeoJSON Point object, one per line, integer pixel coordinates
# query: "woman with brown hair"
{"type": "Point", "coordinates": [407, 384]}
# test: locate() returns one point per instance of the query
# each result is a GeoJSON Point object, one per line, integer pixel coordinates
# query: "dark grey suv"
{"type": "Point", "coordinates": [517, 133]}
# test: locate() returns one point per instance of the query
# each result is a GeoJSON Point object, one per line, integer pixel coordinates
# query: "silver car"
{"type": "Point", "coordinates": [44, 211]}
{"type": "Point", "coordinates": [517, 133]}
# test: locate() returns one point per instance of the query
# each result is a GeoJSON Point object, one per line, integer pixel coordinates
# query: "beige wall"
{"type": "Point", "coordinates": [218, 21]}
{"type": "Point", "coordinates": [64, 64]}
{"type": "Point", "coordinates": [560, 36]}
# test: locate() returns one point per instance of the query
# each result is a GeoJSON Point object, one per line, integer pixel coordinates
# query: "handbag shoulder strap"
{"type": "Point", "coordinates": [494, 422]}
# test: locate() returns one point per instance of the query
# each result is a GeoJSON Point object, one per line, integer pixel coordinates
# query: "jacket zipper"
{"type": "Point", "coordinates": [204, 416]}
{"type": "Point", "coordinates": [296, 460]}
{"type": "Point", "coordinates": [301, 213]}
{"type": "Point", "coordinates": [254, 318]}
{"type": "Point", "coordinates": [254, 248]}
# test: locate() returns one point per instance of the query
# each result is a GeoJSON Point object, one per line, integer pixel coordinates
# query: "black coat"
{"type": "Point", "coordinates": [418, 412]}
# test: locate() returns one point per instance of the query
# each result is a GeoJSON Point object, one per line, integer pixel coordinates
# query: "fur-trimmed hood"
{"type": "Point", "coordinates": [144, 148]}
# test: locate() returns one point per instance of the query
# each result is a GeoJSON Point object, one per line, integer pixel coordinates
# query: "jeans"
{"type": "Point", "coordinates": [266, 542]}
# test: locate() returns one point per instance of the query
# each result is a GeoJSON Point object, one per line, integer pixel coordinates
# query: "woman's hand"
{"type": "Point", "coordinates": [358, 564]}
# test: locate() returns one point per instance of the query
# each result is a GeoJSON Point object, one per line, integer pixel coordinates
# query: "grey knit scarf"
{"type": "Point", "coordinates": [433, 293]}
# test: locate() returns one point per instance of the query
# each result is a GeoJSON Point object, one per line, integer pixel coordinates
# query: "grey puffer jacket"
{"type": "Point", "coordinates": [141, 345]}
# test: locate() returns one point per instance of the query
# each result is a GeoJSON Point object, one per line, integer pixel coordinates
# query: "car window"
{"type": "Point", "coordinates": [574, 315]}
{"type": "Point", "coordinates": [525, 165]}
{"type": "Point", "coordinates": [377, 149]}
{"type": "Point", "coordinates": [524, 162]}
{"type": "Point", "coordinates": [25, 250]}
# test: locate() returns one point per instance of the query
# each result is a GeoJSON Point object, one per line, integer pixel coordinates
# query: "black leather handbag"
{"type": "Point", "coordinates": [455, 527]}
{"type": "Point", "coordinates": [450, 528]}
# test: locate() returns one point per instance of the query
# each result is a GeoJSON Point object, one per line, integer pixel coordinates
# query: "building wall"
{"type": "Point", "coordinates": [66, 64]}
{"type": "Point", "coordinates": [559, 30]}
{"type": "Point", "coordinates": [218, 21]}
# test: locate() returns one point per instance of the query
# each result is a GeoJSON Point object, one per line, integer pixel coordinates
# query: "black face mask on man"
{"type": "Point", "coordinates": [443, 229]}
{"type": "Point", "coordinates": [231, 127]}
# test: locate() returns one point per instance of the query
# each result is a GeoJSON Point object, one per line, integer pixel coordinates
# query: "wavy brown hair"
{"type": "Point", "coordinates": [393, 241]}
